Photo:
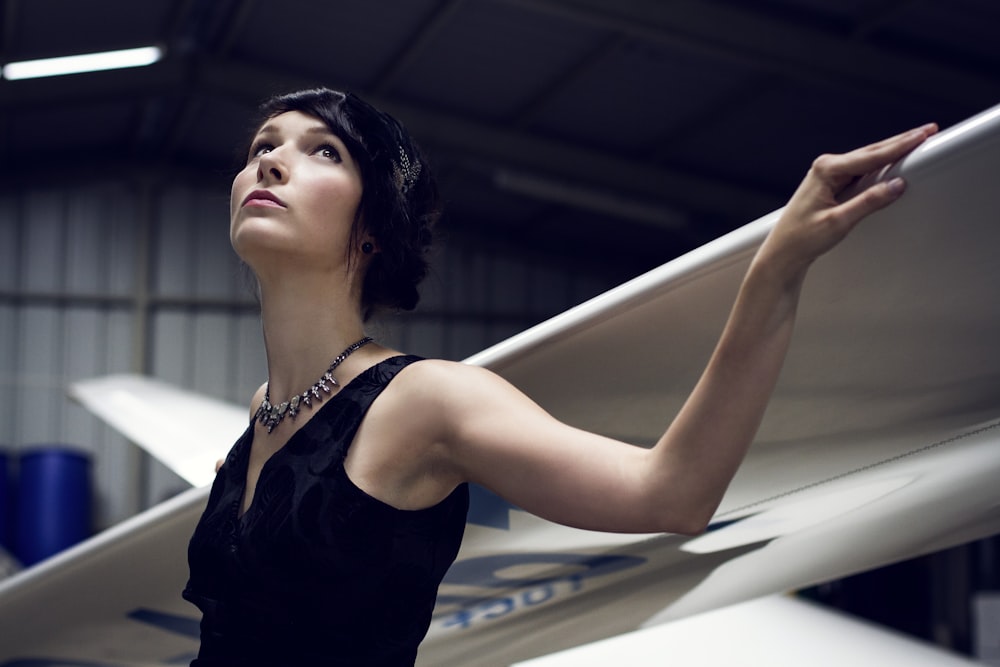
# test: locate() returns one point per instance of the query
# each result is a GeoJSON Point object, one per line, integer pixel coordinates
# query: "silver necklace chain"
{"type": "Point", "coordinates": [271, 415]}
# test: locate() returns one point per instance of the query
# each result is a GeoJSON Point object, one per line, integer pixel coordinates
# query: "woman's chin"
{"type": "Point", "coordinates": [253, 236]}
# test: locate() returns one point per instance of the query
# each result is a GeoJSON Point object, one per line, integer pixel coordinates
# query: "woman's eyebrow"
{"type": "Point", "coordinates": [318, 129]}
{"type": "Point", "coordinates": [321, 129]}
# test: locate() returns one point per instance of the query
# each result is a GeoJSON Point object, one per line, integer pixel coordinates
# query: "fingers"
{"type": "Point", "coordinates": [833, 198]}
{"type": "Point", "coordinates": [868, 201]}
{"type": "Point", "coordinates": [921, 132]}
{"type": "Point", "coordinates": [838, 169]}
{"type": "Point", "coordinates": [890, 150]}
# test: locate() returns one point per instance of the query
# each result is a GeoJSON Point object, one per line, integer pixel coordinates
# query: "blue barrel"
{"type": "Point", "coordinates": [6, 504]}
{"type": "Point", "coordinates": [53, 502]}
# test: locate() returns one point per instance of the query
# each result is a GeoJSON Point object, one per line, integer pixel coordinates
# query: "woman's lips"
{"type": "Point", "coordinates": [263, 198]}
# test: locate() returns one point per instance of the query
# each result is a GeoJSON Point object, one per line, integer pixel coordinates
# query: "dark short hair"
{"type": "Point", "coordinates": [399, 201]}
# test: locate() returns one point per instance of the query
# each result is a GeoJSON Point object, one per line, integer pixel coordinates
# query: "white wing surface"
{"type": "Point", "coordinates": [159, 418]}
{"type": "Point", "coordinates": [769, 632]}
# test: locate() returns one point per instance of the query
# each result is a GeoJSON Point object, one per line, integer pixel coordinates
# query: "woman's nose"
{"type": "Point", "coordinates": [270, 166]}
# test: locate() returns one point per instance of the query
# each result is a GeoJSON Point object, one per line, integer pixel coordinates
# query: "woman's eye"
{"type": "Point", "coordinates": [260, 149]}
{"type": "Point", "coordinates": [329, 152]}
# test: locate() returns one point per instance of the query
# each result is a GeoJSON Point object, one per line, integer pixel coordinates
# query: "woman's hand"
{"type": "Point", "coordinates": [817, 217]}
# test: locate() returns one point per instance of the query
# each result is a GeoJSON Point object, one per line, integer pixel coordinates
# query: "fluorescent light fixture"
{"type": "Point", "coordinates": [86, 62]}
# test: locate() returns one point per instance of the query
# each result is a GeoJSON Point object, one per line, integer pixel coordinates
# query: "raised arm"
{"type": "Point", "coordinates": [502, 440]}
{"type": "Point", "coordinates": [715, 427]}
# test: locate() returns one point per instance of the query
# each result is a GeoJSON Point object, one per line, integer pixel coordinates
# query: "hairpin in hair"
{"type": "Point", "coordinates": [406, 172]}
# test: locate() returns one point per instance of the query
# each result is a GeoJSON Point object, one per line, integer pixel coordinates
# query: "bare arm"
{"type": "Point", "coordinates": [497, 437]}
{"type": "Point", "coordinates": [712, 432]}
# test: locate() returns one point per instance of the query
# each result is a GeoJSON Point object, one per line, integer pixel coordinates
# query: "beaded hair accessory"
{"type": "Point", "coordinates": [406, 172]}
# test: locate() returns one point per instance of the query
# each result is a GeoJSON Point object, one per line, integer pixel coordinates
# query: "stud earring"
{"type": "Point", "coordinates": [367, 247]}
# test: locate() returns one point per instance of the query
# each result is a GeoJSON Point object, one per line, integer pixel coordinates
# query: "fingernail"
{"type": "Point", "coordinates": [896, 186]}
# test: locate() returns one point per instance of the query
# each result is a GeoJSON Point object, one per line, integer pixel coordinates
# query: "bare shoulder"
{"type": "Point", "coordinates": [439, 398]}
{"type": "Point", "coordinates": [448, 385]}
{"type": "Point", "coordinates": [451, 401]}
{"type": "Point", "coordinates": [448, 372]}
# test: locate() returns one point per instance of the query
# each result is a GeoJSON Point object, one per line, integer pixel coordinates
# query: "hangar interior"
{"type": "Point", "coordinates": [578, 144]}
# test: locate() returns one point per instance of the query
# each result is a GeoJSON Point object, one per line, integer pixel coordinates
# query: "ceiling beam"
{"type": "Point", "coordinates": [736, 35]}
{"type": "Point", "coordinates": [426, 34]}
{"type": "Point", "coordinates": [506, 147]}
{"type": "Point", "coordinates": [878, 16]}
{"type": "Point", "coordinates": [234, 27]}
{"type": "Point", "coordinates": [569, 76]}
{"type": "Point", "coordinates": [9, 29]}
{"type": "Point", "coordinates": [447, 134]}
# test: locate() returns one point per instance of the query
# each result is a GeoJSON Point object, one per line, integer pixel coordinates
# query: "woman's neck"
{"type": "Point", "coordinates": [304, 330]}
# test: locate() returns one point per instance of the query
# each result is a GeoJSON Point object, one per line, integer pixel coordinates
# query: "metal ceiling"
{"type": "Point", "coordinates": [626, 131]}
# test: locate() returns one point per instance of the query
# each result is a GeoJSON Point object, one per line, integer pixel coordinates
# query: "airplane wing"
{"type": "Point", "coordinates": [881, 443]}
{"type": "Point", "coordinates": [773, 631]}
{"type": "Point", "coordinates": [158, 417]}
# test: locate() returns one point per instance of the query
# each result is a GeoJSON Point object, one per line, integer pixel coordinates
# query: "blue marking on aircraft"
{"type": "Point", "coordinates": [719, 525]}
{"type": "Point", "coordinates": [487, 591]}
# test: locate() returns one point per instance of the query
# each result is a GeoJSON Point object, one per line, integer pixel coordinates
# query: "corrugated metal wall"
{"type": "Point", "coordinates": [134, 276]}
{"type": "Point", "coordinates": [67, 277]}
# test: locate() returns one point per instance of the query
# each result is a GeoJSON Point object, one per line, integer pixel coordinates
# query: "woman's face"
{"type": "Point", "coordinates": [297, 197]}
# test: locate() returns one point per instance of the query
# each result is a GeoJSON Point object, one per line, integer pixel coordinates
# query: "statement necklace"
{"type": "Point", "coordinates": [272, 415]}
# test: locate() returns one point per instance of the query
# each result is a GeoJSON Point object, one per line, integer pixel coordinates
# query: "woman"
{"type": "Point", "coordinates": [335, 516]}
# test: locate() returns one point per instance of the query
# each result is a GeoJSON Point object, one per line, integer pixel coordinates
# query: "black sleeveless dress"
{"type": "Point", "coordinates": [317, 572]}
